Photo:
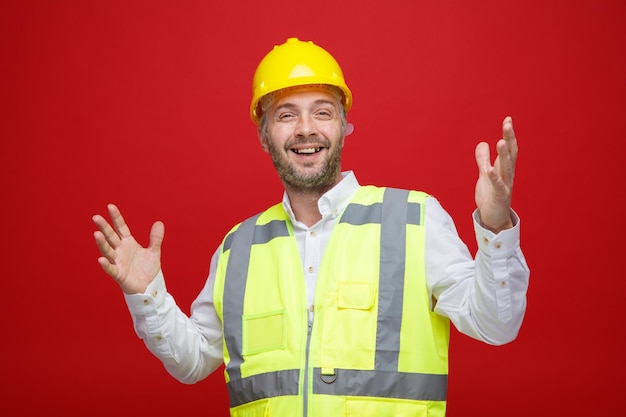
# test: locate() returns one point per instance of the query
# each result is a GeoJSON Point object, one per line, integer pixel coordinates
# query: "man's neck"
{"type": "Point", "coordinates": [304, 203]}
{"type": "Point", "coordinates": [305, 207]}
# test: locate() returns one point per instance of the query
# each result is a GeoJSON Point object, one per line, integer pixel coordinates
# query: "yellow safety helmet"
{"type": "Point", "coordinates": [296, 63]}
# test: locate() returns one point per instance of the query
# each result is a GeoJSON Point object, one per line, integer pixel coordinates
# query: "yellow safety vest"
{"type": "Point", "coordinates": [375, 347]}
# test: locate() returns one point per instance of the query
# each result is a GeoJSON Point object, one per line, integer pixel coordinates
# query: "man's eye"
{"type": "Point", "coordinates": [285, 116]}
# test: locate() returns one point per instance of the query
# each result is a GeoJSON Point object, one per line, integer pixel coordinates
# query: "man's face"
{"type": "Point", "coordinates": [305, 138]}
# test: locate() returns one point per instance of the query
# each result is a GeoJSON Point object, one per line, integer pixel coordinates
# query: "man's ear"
{"type": "Point", "coordinates": [349, 129]}
{"type": "Point", "coordinates": [262, 139]}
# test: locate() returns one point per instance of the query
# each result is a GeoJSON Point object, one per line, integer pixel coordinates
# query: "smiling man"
{"type": "Point", "coordinates": [303, 131]}
{"type": "Point", "coordinates": [338, 300]}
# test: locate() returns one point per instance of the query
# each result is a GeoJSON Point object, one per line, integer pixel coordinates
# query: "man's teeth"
{"type": "Point", "coordinates": [307, 150]}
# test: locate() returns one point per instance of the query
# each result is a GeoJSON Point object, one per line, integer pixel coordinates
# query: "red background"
{"type": "Point", "coordinates": [145, 104]}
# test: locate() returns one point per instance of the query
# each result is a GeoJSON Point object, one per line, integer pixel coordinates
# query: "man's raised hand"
{"type": "Point", "coordinates": [494, 187]}
{"type": "Point", "coordinates": [132, 266]}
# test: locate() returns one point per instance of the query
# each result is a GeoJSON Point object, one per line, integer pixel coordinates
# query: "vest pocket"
{"type": "Point", "coordinates": [384, 407]}
{"type": "Point", "coordinates": [356, 295]}
{"type": "Point", "coordinates": [258, 408]}
{"type": "Point", "coordinates": [263, 332]}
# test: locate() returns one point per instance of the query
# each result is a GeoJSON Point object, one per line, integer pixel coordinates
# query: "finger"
{"type": "Point", "coordinates": [506, 162]}
{"type": "Point", "coordinates": [108, 267]}
{"type": "Point", "coordinates": [107, 231]}
{"type": "Point", "coordinates": [157, 232]}
{"type": "Point", "coordinates": [482, 155]}
{"type": "Point", "coordinates": [118, 221]}
{"type": "Point", "coordinates": [508, 134]}
{"type": "Point", "coordinates": [497, 181]}
{"type": "Point", "coordinates": [507, 128]}
{"type": "Point", "coordinates": [105, 248]}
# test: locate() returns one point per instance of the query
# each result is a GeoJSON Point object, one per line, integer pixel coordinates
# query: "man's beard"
{"type": "Point", "coordinates": [320, 181]}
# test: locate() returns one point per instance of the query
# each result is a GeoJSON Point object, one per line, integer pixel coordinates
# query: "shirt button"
{"type": "Point", "coordinates": [503, 284]}
{"type": "Point", "coordinates": [146, 301]}
{"type": "Point", "coordinates": [311, 308]}
{"type": "Point", "coordinates": [313, 234]}
{"type": "Point", "coordinates": [498, 245]}
{"type": "Point", "coordinates": [310, 269]}
{"type": "Point", "coordinates": [485, 240]}
{"type": "Point", "coordinates": [155, 293]}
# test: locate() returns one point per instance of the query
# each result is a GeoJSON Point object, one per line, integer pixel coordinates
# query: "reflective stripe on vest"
{"type": "Point", "coordinates": [237, 275]}
{"type": "Point", "coordinates": [384, 380]}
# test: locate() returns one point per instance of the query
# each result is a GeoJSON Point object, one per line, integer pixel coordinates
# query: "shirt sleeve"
{"type": "Point", "coordinates": [484, 296]}
{"type": "Point", "coordinates": [190, 347]}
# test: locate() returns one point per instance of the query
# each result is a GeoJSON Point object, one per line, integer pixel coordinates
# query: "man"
{"type": "Point", "coordinates": [338, 300]}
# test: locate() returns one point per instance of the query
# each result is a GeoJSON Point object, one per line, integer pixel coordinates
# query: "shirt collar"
{"type": "Point", "coordinates": [334, 200]}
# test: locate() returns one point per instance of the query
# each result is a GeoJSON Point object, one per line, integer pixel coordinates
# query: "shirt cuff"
{"type": "Point", "coordinates": [146, 303]}
{"type": "Point", "coordinates": [500, 245]}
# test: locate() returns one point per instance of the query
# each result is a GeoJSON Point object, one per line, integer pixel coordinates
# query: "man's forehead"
{"type": "Point", "coordinates": [315, 92]}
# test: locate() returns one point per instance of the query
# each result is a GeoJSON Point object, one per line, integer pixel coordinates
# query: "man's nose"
{"type": "Point", "coordinates": [306, 125]}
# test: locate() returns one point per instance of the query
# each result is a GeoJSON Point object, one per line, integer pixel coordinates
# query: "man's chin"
{"type": "Point", "coordinates": [310, 182]}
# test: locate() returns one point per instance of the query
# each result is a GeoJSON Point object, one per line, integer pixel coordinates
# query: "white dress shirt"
{"type": "Point", "coordinates": [484, 297]}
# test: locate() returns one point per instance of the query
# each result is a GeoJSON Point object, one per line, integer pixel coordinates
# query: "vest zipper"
{"type": "Point", "coordinates": [305, 390]}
